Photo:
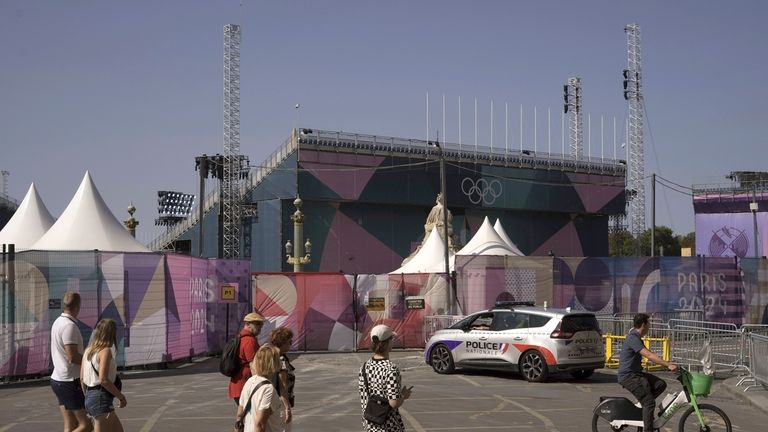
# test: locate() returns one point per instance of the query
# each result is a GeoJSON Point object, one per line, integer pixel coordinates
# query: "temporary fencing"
{"type": "Point", "coordinates": [758, 349]}
{"type": "Point", "coordinates": [438, 322]}
{"type": "Point", "coordinates": [725, 339]}
{"type": "Point", "coordinates": [166, 307]}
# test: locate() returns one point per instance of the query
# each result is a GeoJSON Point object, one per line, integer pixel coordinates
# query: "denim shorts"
{"type": "Point", "coordinates": [98, 401]}
{"type": "Point", "coordinates": [69, 393]}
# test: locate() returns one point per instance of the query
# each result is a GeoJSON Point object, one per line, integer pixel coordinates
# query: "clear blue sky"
{"type": "Point", "coordinates": [132, 91]}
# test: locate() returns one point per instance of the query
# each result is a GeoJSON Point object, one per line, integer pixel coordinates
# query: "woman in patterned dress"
{"type": "Point", "coordinates": [383, 379]}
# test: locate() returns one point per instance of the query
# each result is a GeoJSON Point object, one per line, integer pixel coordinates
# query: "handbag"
{"type": "Point", "coordinates": [377, 409]}
{"type": "Point", "coordinates": [239, 425]}
{"type": "Point", "coordinates": [118, 382]}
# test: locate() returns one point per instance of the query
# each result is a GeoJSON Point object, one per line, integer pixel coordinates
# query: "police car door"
{"type": "Point", "coordinates": [472, 351]}
{"type": "Point", "coordinates": [509, 331]}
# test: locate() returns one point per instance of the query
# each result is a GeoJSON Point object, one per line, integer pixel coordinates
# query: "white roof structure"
{"type": "Point", "coordinates": [487, 241]}
{"type": "Point", "coordinates": [30, 221]}
{"type": "Point", "coordinates": [87, 224]}
{"type": "Point", "coordinates": [503, 234]}
{"type": "Point", "coordinates": [430, 258]}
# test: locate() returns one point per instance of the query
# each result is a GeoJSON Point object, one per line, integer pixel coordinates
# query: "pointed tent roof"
{"type": "Point", "coordinates": [30, 221]}
{"type": "Point", "coordinates": [503, 234]}
{"type": "Point", "coordinates": [486, 241]}
{"type": "Point", "coordinates": [429, 259]}
{"type": "Point", "coordinates": [87, 224]}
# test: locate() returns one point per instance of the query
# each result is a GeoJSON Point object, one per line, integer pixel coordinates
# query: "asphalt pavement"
{"type": "Point", "coordinates": [192, 397]}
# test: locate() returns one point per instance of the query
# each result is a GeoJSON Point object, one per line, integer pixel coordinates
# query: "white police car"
{"type": "Point", "coordinates": [535, 341]}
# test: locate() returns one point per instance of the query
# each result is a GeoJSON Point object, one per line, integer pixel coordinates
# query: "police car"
{"type": "Point", "coordinates": [534, 341]}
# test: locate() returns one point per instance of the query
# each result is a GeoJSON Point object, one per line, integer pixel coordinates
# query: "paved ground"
{"type": "Point", "coordinates": [193, 398]}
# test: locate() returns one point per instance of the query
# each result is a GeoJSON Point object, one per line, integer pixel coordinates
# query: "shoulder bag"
{"type": "Point", "coordinates": [239, 424]}
{"type": "Point", "coordinates": [377, 409]}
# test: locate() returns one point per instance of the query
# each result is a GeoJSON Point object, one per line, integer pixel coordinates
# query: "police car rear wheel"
{"type": "Point", "coordinates": [582, 373]}
{"type": "Point", "coordinates": [442, 360]}
{"type": "Point", "coordinates": [533, 366]}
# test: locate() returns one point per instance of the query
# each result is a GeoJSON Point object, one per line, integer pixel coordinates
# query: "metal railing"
{"type": "Point", "coordinates": [255, 177]}
{"type": "Point", "coordinates": [434, 323]}
{"type": "Point", "coordinates": [758, 349]}
{"type": "Point", "coordinates": [459, 152]}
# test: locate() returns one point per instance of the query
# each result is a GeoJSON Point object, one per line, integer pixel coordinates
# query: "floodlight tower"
{"type": "Point", "coordinates": [636, 169]}
{"type": "Point", "coordinates": [572, 107]}
{"type": "Point", "coordinates": [230, 182]}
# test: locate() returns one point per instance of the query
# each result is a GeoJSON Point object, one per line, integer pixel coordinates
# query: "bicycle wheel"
{"type": "Point", "coordinates": [714, 419]}
{"type": "Point", "coordinates": [600, 424]}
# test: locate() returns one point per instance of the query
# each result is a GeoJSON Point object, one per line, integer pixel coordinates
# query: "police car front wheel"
{"type": "Point", "coordinates": [442, 360]}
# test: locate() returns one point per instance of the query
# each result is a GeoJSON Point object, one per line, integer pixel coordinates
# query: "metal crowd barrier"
{"type": "Point", "coordinates": [613, 344]}
{"type": "Point", "coordinates": [621, 326]}
{"type": "Point", "coordinates": [434, 323]}
{"type": "Point", "coordinates": [728, 350]}
{"type": "Point", "coordinates": [758, 349]}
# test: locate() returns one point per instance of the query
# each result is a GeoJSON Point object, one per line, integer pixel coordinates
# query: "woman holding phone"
{"type": "Point", "coordinates": [381, 377]}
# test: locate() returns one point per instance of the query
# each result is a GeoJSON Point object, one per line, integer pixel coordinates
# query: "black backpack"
{"type": "Point", "coordinates": [229, 364]}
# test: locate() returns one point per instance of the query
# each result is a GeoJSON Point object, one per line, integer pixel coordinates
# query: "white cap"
{"type": "Point", "coordinates": [381, 332]}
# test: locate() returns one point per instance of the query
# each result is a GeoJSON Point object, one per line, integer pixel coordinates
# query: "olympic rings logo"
{"type": "Point", "coordinates": [481, 190]}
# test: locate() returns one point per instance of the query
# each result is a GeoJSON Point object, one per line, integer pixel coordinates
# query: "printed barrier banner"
{"type": "Point", "coordinates": [608, 286]}
{"type": "Point", "coordinates": [161, 304]}
{"type": "Point", "coordinates": [483, 280]}
{"type": "Point", "coordinates": [755, 279]}
{"type": "Point", "coordinates": [334, 312]}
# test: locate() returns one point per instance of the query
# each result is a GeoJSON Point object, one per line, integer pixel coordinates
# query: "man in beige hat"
{"type": "Point", "coordinates": [248, 347]}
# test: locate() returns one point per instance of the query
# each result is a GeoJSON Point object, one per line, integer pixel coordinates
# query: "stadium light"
{"type": "Point", "coordinates": [173, 207]}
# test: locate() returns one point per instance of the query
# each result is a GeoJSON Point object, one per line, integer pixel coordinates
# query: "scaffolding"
{"type": "Point", "coordinates": [633, 95]}
{"type": "Point", "coordinates": [230, 183]}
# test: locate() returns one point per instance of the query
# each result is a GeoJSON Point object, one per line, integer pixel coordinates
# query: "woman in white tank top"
{"type": "Point", "coordinates": [98, 375]}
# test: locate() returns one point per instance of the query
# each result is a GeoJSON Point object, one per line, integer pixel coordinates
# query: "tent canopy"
{"type": "Point", "coordinates": [430, 258]}
{"type": "Point", "coordinates": [503, 234]}
{"type": "Point", "coordinates": [30, 221]}
{"type": "Point", "coordinates": [487, 241]}
{"type": "Point", "coordinates": [87, 224]}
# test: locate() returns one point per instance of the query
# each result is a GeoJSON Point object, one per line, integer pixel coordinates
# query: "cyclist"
{"type": "Point", "coordinates": [644, 386]}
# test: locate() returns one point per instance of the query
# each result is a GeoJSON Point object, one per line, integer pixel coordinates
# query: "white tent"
{"type": "Point", "coordinates": [430, 258]}
{"type": "Point", "coordinates": [487, 241]}
{"type": "Point", "coordinates": [30, 221]}
{"type": "Point", "coordinates": [87, 224]}
{"type": "Point", "coordinates": [503, 234]}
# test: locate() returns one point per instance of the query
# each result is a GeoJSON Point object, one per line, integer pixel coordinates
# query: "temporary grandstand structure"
{"type": "Point", "coordinates": [487, 241]}
{"type": "Point", "coordinates": [429, 259]}
{"type": "Point", "coordinates": [87, 224]}
{"type": "Point", "coordinates": [30, 221]}
{"type": "Point", "coordinates": [503, 234]}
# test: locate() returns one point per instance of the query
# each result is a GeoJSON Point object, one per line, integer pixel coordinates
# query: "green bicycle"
{"type": "Point", "coordinates": [618, 413]}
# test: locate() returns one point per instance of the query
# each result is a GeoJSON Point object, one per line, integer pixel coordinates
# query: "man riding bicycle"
{"type": "Point", "coordinates": [644, 386]}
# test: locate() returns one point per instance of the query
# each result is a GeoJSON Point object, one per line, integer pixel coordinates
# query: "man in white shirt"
{"type": "Point", "coordinates": [67, 354]}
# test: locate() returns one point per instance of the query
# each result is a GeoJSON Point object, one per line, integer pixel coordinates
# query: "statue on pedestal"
{"type": "Point", "coordinates": [435, 219]}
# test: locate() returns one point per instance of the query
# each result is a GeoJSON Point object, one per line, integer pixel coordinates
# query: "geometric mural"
{"type": "Point", "coordinates": [156, 321]}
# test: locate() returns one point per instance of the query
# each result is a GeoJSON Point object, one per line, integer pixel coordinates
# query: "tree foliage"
{"type": "Point", "coordinates": [666, 243]}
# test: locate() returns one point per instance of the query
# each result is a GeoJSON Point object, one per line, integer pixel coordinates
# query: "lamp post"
{"type": "Point", "coordinates": [753, 209]}
{"type": "Point", "coordinates": [299, 258]}
{"type": "Point", "coordinates": [441, 156]}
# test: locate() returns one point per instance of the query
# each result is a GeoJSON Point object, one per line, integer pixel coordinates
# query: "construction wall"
{"type": "Point", "coordinates": [721, 287]}
{"type": "Point", "coordinates": [335, 312]}
{"type": "Point", "coordinates": [165, 306]}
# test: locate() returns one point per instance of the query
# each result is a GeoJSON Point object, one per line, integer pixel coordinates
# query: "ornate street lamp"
{"type": "Point", "coordinates": [295, 255]}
